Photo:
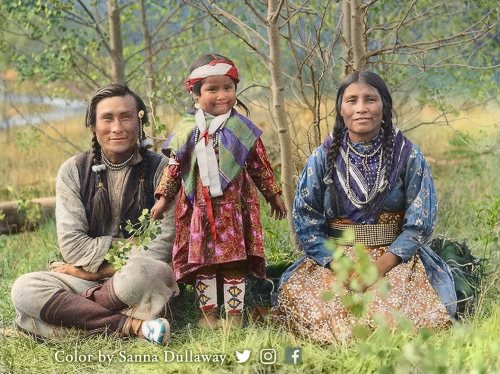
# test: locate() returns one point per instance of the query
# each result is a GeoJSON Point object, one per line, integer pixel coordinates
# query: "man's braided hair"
{"type": "Point", "coordinates": [101, 207]}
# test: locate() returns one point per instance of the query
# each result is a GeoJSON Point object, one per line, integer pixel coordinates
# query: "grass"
{"type": "Point", "coordinates": [31, 157]}
{"type": "Point", "coordinates": [466, 183]}
{"type": "Point", "coordinates": [469, 346]}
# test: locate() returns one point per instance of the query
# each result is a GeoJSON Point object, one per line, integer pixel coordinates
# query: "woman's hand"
{"type": "Point", "coordinates": [278, 208]}
{"type": "Point", "coordinates": [361, 284]}
{"type": "Point", "coordinates": [384, 264]}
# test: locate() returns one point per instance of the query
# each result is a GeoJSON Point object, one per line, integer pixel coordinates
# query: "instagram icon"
{"type": "Point", "coordinates": [268, 356]}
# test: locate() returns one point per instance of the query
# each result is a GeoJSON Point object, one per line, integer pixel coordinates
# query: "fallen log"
{"type": "Point", "coordinates": [16, 220]}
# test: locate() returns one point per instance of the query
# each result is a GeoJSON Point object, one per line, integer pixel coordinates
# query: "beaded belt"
{"type": "Point", "coordinates": [378, 234]}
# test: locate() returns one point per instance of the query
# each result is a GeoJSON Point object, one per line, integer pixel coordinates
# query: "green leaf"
{"type": "Point", "coordinates": [361, 331]}
{"type": "Point", "coordinates": [327, 295]}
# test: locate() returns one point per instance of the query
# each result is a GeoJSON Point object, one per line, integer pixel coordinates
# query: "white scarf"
{"type": "Point", "coordinates": [208, 165]}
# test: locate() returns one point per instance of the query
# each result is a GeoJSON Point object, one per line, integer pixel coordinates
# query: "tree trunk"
{"type": "Point", "coordinates": [346, 34]}
{"type": "Point", "coordinates": [150, 73]}
{"type": "Point", "coordinates": [115, 36]}
{"type": "Point", "coordinates": [354, 32]}
{"type": "Point", "coordinates": [278, 108]}
{"type": "Point", "coordinates": [13, 221]}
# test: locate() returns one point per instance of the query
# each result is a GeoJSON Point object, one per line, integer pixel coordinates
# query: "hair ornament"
{"type": "Point", "coordinates": [218, 66]}
{"type": "Point", "coordinates": [146, 143]}
{"type": "Point", "coordinates": [98, 168]}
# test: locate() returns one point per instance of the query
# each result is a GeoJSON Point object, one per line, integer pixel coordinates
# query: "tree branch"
{"type": "Point", "coordinates": [96, 26]}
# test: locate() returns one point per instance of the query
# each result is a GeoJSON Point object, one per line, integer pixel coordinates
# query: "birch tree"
{"type": "Point", "coordinates": [92, 43]}
{"type": "Point", "coordinates": [425, 49]}
{"type": "Point", "coordinates": [115, 43]}
{"type": "Point", "coordinates": [408, 42]}
{"type": "Point", "coordinates": [260, 28]}
{"type": "Point", "coordinates": [278, 104]}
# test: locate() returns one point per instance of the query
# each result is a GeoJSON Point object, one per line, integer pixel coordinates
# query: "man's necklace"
{"type": "Point", "coordinates": [112, 166]}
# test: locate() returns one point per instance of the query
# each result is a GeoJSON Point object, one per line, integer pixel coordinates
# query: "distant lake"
{"type": "Point", "coordinates": [59, 110]}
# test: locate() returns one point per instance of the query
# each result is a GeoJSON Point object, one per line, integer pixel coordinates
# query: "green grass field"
{"type": "Point", "coordinates": [467, 181]}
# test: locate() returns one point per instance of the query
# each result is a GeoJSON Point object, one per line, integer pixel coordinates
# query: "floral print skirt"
{"type": "Point", "coordinates": [303, 308]}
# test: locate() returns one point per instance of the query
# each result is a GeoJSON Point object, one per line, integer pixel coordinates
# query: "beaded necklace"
{"type": "Point", "coordinates": [377, 187]}
{"type": "Point", "coordinates": [364, 156]}
{"type": "Point", "coordinates": [112, 166]}
{"type": "Point", "coordinates": [215, 136]}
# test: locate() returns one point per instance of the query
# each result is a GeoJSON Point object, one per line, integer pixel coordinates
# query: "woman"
{"type": "Point", "coordinates": [96, 193]}
{"type": "Point", "coordinates": [368, 178]}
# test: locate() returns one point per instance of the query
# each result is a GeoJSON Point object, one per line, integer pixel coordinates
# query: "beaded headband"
{"type": "Point", "coordinates": [219, 66]}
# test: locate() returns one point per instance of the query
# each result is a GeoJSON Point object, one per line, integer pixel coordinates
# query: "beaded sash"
{"type": "Point", "coordinates": [379, 234]}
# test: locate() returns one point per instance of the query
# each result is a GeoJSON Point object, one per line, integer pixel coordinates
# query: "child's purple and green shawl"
{"type": "Point", "coordinates": [236, 139]}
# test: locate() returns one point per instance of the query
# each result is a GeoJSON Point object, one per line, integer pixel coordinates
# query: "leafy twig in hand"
{"type": "Point", "coordinates": [141, 234]}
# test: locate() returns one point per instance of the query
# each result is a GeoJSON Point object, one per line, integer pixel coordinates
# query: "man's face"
{"type": "Point", "coordinates": [117, 127]}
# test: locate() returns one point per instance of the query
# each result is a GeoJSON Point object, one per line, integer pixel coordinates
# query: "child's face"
{"type": "Point", "coordinates": [217, 94]}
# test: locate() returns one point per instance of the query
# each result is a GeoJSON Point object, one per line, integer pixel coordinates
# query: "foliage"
{"type": "Point", "coordinates": [28, 138]}
{"type": "Point", "coordinates": [141, 234]}
{"type": "Point", "coordinates": [350, 289]}
{"type": "Point", "coordinates": [69, 41]}
{"type": "Point", "coordinates": [469, 273]}
{"type": "Point", "coordinates": [471, 345]}
{"type": "Point", "coordinates": [443, 50]}
{"type": "Point", "coordinates": [488, 223]}
{"type": "Point", "coordinates": [30, 213]}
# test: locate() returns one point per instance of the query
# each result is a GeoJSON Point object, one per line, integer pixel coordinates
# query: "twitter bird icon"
{"type": "Point", "coordinates": [242, 357]}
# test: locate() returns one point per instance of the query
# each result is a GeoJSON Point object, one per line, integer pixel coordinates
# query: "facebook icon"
{"type": "Point", "coordinates": [293, 355]}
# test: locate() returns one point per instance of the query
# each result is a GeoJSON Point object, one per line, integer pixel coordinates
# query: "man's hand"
{"type": "Point", "coordinates": [104, 271]}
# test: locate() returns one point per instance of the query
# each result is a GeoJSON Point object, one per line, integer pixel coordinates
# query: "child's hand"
{"type": "Point", "coordinates": [278, 208]}
{"type": "Point", "coordinates": [159, 207]}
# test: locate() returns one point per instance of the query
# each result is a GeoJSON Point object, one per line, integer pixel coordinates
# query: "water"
{"type": "Point", "coordinates": [60, 109]}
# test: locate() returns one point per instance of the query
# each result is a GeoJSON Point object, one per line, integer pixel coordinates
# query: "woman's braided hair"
{"type": "Point", "coordinates": [101, 207]}
{"type": "Point", "coordinates": [376, 82]}
{"type": "Point", "coordinates": [206, 59]}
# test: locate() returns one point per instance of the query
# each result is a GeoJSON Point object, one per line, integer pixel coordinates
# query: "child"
{"type": "Point", "coordinates": [217, 153]}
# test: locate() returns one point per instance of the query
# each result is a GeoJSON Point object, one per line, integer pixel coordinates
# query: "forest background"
{"type": "Point", "coordinates": [440, 59]}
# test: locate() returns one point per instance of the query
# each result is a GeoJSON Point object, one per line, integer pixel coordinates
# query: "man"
{"type": "Point", "coordinates": [96, 193]}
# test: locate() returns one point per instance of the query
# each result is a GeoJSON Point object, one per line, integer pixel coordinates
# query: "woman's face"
{"type": "Point", "coordinates": [117, 127]}
{"type": "Point", "coordinates": [217, 94]}
{"type": "Point", "coordinates": [362, 110]}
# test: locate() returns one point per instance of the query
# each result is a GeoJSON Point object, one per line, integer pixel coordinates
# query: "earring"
{"type": "Point", "coordinates": [141, 128]}
{"type": "Point", "coordinates": [197, 105]}
{"type": "Point", "coordinates": [143, 142]}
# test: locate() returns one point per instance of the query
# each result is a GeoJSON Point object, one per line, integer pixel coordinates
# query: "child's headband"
{"type": "Point", "coordinates": [220, 66]}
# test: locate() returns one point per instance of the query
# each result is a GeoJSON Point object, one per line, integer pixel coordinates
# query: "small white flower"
{"type": "Point", "coordinates": [418, 202]}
